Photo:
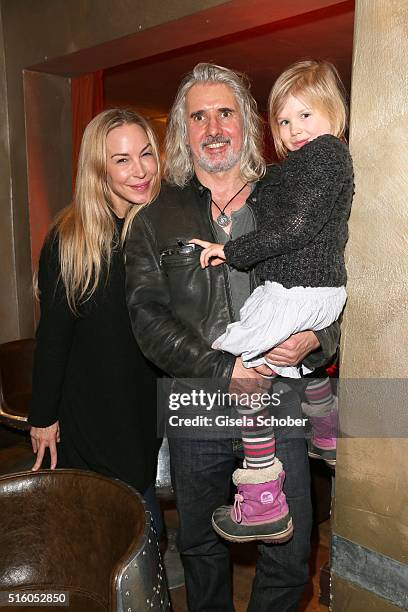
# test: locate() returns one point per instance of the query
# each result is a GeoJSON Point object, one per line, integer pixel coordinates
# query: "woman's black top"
{"type": "Point", "coordinates": [90, 374]}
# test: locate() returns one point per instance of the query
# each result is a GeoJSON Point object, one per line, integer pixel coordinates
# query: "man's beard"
{"type": "Point", "coordinates": [222, 165]}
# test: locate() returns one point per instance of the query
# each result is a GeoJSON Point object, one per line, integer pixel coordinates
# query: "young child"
{"type": "Point", "coordinates": [298, 253]}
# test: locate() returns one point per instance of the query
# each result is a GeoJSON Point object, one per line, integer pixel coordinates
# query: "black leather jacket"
{"type": "Point", "coordinates": [176, 308]}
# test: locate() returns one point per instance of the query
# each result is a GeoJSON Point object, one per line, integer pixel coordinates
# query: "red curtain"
{"type": "Point", "coordinates": [86, 101]}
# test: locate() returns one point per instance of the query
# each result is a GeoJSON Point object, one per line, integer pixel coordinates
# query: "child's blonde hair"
{"type": "Point", "coordinates": [319, 84]}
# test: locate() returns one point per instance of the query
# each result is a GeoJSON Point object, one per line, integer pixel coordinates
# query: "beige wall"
{"type": "Point", "coordinates": [372, 474]}
{"type": "Point", "coordinates": [377, 258]}
{"type": "Point", "coordinates": [7, 277]}
{"type": "Point", "coordinates": [49, 144]}
{"type": "Point", "coordinates": [34, 31]}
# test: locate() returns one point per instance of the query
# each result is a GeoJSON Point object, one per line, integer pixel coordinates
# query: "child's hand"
{"type": "Point", "coordinates": [265, 370]}
{"type": "Point", "coordinates": [211, 251]}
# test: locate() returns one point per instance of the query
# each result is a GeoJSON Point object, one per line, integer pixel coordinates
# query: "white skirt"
{"type": "Point", "coordinates": [272, 313]}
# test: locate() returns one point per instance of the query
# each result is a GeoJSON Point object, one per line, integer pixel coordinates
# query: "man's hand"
{"type": "Point", "coordinates": [41, 437]}
{"type": "Point", "coordinates": [247, 380]}
{"type": "Point", "coordinates": [211, 251]}
{"type": "Point", "coordinates": [293, 350]}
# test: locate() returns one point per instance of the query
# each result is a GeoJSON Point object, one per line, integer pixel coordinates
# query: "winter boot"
{"type": "Point", "coordinates": [324, 434]}
{"type": "Point", "coordinates": [260, 510]}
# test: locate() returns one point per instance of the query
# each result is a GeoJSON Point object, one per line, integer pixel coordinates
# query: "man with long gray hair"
{"type": "Point", "coordinates": [215, 170]}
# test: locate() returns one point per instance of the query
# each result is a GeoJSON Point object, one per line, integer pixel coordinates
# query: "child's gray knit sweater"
{"type": "Point", "coordinates": [301, 219]}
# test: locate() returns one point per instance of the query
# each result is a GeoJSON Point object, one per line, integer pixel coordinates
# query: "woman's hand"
{"type": "Point", "coordinates": [211, 251]}
{"type": "Point", "coordinates": [41, 438]}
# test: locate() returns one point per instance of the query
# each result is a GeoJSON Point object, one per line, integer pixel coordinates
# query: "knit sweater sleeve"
{"type": "Point", "coordinates": [291, 214]}
{"type": "Point", "coordinates": [54, 339]}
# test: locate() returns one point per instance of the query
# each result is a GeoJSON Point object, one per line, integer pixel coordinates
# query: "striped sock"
{"type": "Point", "coordinates": [319, 396]}
{"type": "Point", "coordinates": [258, 441]}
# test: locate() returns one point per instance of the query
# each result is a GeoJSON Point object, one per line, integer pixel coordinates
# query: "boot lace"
{"type": "Point", "coordinates": [237, 506]}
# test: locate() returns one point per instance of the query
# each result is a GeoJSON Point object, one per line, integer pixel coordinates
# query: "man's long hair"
{"type": "Point", "coordinates": [179, 166]}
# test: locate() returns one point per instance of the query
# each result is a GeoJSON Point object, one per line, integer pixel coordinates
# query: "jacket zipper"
{"type": "Point", "coordinates": [224, 271]}
{"type": "Point", "coordinates": [252, 281]}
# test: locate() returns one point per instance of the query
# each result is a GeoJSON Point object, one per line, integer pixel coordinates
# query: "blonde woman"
{"type": "Point", "coordinates": [93, 391]}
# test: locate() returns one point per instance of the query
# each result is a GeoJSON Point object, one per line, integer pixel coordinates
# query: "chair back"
{"type": "Point", "coordinates": [164, 488]}
{"type": "Point", "coordinates": [79, 532]}
{"type": "Point", "coordinates": [16, 366]}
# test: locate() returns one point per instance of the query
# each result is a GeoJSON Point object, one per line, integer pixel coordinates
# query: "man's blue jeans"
{"type": "Point", "coordinates": [201, 476]}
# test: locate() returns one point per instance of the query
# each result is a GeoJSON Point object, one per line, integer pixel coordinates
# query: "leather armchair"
{"type": "Point", "coordinates": [81, 533]}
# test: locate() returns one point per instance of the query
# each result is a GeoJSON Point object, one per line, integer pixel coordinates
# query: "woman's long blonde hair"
{"type": "Point", "coordinates": [85, 229]}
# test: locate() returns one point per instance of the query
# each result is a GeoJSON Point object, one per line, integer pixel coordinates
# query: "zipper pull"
{"type": "Point", "coordinates": [163, 254]}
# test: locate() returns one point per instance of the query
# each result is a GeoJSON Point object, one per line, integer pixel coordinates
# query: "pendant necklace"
{"type": "Point", "coordinates": [223, 220]}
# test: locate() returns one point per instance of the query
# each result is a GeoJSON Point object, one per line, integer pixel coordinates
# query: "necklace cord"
{"type": "Point", "coordinates": [223, 219]}
{"type": "Point", "coordinates": [229, 201]}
